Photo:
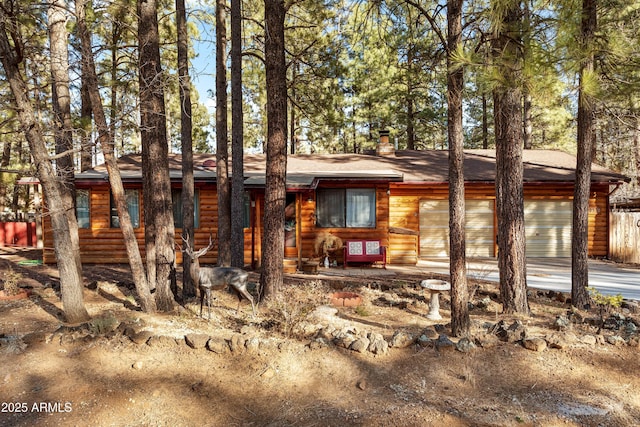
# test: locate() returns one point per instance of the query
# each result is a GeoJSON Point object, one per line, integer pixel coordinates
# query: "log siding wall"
{"type": "Point", "coordinates": [100, 243]}
{"type": "Point", "coordinates": [397, 221]}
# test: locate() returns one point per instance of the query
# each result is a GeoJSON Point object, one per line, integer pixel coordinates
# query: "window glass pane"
{"type": "Point", "coordinates": [133, 207]}
{"type": "Point", "coordinates": [176, 203]}
{"type": "Point", "coordinates": [113, 211]}
{"type": "Point", "coordinates": [82, 208]}
{"type": "Point", "coordinates": [330, 210]}
{"type": "Point", "coordinates": [361, 207]}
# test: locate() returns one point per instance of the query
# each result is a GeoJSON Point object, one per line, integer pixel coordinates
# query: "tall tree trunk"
{"type": "Point", "coordinates": [507, 99]}
{"type": "Point", "coordinates": [105, 137]}
{"type": "Point", "coordinates": [115, 35]}
{"type": "Point", "coordinates": [86, 144]}
{"type": "Point", "coordinates": [293, 143]}
{"type": "Point", "coordinates": [354, 132]}
{"type": "Point", "coordinates": [460, 322]}
{"type": "Point", "coordinates": [4, 164]}
{"type": "Point", "coordinates": [6, 159]}
{"type": "Point", "coordinates": [61, 97]}
{"type": "Point", "coordinates": [636, 147]}
{"type": "Point", "coordinates": [271, 278]}
{"type": "Point", "coordinates": [526, 96]}
{"type": "Point", "coordinates": [222, 146]}
{"type": "Point", "coordinates": [86, 112]}
{"type": "Point", "coordinates": [485, 122]}
{"type": "Point", "coordinates": [158, 212]}
{"type": "Point", "coordinates": [586, 135]}
{"type": "Point", "coordinates": [67, 253]}
{"type": "Point", "coordinates": [186, 124]}
{"type": "Point", "coordinates": [237, 139]}
{"type": "Point", "coordinates": [61, 101]}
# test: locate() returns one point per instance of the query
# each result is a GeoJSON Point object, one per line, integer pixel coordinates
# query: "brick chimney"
{"type": "Point", "coordinates": [384, 147]}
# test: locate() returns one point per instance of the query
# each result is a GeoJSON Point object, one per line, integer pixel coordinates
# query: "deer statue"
{"type": "Point", "coordinates": [207, 279]}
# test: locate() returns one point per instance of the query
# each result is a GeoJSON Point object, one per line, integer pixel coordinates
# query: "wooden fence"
{"type": "Point", "coordinates": [624, 245]}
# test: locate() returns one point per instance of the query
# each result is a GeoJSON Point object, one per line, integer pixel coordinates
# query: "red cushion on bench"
{"type": "Point", "coordinates": [364, 251]}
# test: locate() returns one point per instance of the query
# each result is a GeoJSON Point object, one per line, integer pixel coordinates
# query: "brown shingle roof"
{"type": "Point", "coordinates": [304, 170]}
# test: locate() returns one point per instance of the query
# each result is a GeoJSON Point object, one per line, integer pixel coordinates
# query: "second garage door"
{"type": "Point", "coordinates": [548, 227]}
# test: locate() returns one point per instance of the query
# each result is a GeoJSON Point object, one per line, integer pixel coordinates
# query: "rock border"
{"type": "Point", "coordinates": [349, 337]}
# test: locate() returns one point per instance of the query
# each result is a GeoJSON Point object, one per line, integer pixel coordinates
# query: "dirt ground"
{"type": "Point", "coordinates": [288, 365]}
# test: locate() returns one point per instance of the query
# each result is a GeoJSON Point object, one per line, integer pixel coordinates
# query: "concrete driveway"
{"type": "Point", "coordinates": [553, 274]}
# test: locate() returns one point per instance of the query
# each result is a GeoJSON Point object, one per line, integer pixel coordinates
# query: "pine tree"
{"type": "Point", "coordinates": [507, 101]}
{"type": "Point", "coordinates": [237, 140]}
{"type": "Point", "coordinates": [222, 145]}
{"type": "Point", "coordinates": [105, 137]}
{"type": "Point", "coordinates": [158, 212]}
{"type": "Point", "coordinates": [271, 278]}
{"type": "Point", "coordinates": [186, 140]}
{"type": "Point", "coordinates": [67, 253]}
{"type": "Point", "coordinates": [582, 190]}
{"type": "Point", "coordinates": [460, 322]}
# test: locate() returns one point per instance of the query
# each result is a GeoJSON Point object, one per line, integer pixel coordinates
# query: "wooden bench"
{"type": "Point", "coordinates": [368, 251]}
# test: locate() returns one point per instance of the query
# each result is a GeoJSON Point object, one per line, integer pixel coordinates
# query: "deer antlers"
{"type": "Point", "coordinates": [189, 250]}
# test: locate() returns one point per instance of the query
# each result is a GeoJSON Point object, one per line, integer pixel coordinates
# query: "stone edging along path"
{"type": "Point", "coordinates": [623, 331]}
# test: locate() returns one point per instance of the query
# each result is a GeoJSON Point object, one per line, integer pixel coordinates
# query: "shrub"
{"type": "Point", "coordinates": [103, 325]}
{"type": "Point", "coordinates": [11, 279]}
{"type": "Point", "coordinates": [605, 303]}
{"type": "Point", "coordinates": [293, 304]}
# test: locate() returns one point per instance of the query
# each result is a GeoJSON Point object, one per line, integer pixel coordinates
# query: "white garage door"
{"type": "Point", "coordinates": [479, 230]}
{"type": "Point", "coordinates": [548, 227]}
{"type": "Point", "coordinates": [434, 228]}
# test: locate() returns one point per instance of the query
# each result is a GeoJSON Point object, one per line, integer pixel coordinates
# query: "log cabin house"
{"type": "Point", "coordinates": [397, 197]}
